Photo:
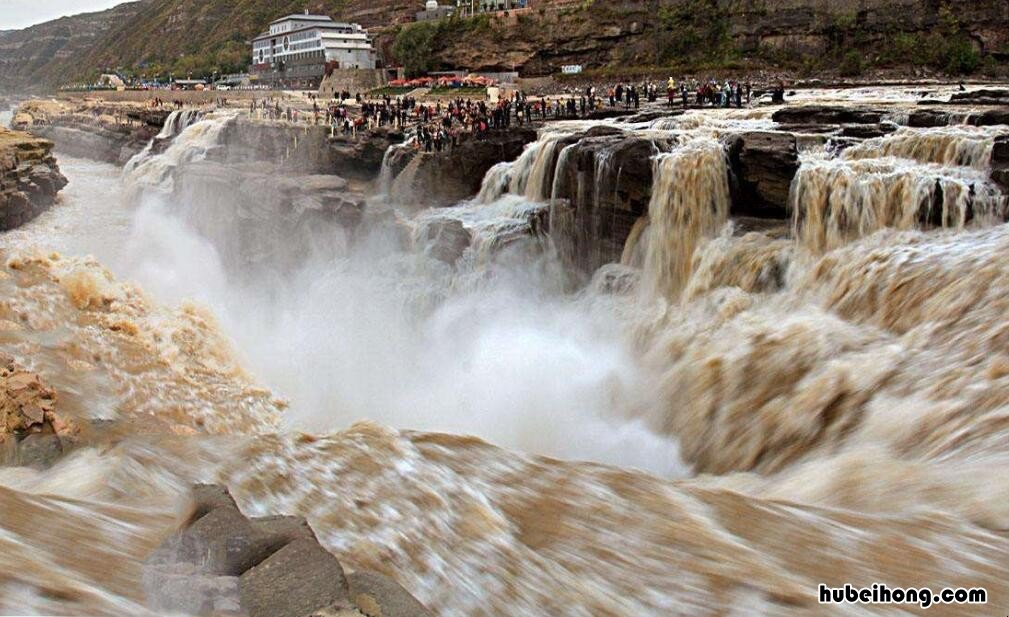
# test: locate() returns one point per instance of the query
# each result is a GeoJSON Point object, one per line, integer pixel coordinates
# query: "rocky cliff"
{"type": "Point", "coordinates": [29, 178]}
{"type": "Point", "coordinates": [773, 33]}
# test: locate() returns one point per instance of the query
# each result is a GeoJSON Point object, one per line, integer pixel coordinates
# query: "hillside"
{"type": "Point", "coordinates": [199, 36]}
{"type": "Point", "coordinates": [152, 36]}
{"type": "Point", "coordinates": [50, 53]}
{"type": "Point", "coordinates": [812, 36]}
{"type": "Point", "coordinates": [802, 36]}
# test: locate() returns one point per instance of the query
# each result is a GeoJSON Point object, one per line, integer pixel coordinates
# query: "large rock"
{"type": "Point", "coordinates": [296, 581]}
{"type": "Point", "coordinates": [446, 240]}
{"type": "Point", "coordinates": [762, 166]}
{"type": "Point", "coordinates": [928, 118]}
{"type": "Point", "coordinates": [982, 96]}
{"type": "Point", "coordinates": [606, 180]}
{"type": "Point", "coordinates": [376, 595]}
{"type": "Point", "coordinates": [30, 179]}
{"type": "Point", "coordinates": [448, 177]}
{"type": "Point", "coordinates": [221, 562]}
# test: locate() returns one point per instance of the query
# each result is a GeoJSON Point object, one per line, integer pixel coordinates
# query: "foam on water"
{"type": "Point", "coordinates": [845, 389]}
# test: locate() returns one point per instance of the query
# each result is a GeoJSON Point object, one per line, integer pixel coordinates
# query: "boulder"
{"type": "Point", "coordinates": [376, 595]}
{"type": "Point", "coordinates": [982, 96]}
{"type": "Point", "coordinates": [221, 562]}
{"type": "Point", "coordinates": [226, 543]}
{"type": "Point", "coordinates": [762, 166]}
{"type": "Point", "coordinates": [447, 240]}
{"type": "Point", "coordinates": [296, 581]}
{"type": "Point", "coordinates": [39, 450]}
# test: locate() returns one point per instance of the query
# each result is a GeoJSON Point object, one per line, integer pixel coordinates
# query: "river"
{"type": "Point", "coordinates": [750, 415]}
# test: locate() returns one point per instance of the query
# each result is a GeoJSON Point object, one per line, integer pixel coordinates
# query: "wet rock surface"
{"type": "Point", "coordinates": [827, 114]}
{"type": "Point", "coordinates": [224, 563]}
{"type": "Point", "coordinates": [30, 178]}
{"type": "Point", "coordinates": [447, 177]}
{"type": "Point", "coordinates": [762, 166]}
{"type": "Point", "coordinates": [1000, 162]}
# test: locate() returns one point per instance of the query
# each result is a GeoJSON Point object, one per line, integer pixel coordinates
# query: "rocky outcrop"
{"type": "Point", "coordinates": [266, 205]}
{"type": "Point", "coordinates": [222, 562]}
{"type": "Point", "coordinates": [92, 130]}
{"type": "Point", "coordinates": [627, 33]}
{"type": "Point", "coordinates": [991, 117]}
{"type": "Point", "coordinates": [762, 166]}
{"type": "Point", "coordinates": [981, 96]}
{"type": "Point", "coordinates": [29, 178]}
{"type": "Point", "coordinates": [448, 177]}
{"type": "Point", "coordinates": [31, 433]}
{"type": "Point", "coordinates": [605, 181]}
{"type": "Point", "coordinates": [826, 114]}
{"type": "Point", "coordinates": [1000, 162]}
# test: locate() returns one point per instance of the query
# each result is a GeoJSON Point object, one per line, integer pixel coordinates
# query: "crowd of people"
{"type": "Point", "coordinates": [440, 124]}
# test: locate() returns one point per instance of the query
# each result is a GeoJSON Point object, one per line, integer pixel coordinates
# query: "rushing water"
{"type": "Point", "coordinates": [841, 384]}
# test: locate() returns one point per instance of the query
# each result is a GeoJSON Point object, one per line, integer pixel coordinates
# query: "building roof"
{"type": "Point", "coordinates": [302, 18]}
{"type": "Point", "coordinates": [325, 27]}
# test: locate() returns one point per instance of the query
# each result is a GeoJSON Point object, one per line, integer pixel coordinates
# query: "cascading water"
{"type": "Point", "coordinates": [837, 200]}
{"type": "Point", "coordinates": [844, 390]}
{"type": "Point", "coordinates": [690, 202]}
{"type": "Point", "coordinates": [950, 146]}
{"type": "Point", "coordinates": [177, 122]}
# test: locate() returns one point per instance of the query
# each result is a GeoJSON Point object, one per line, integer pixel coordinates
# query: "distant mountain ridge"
{"type": "Point", "coordinates": [49, 53]}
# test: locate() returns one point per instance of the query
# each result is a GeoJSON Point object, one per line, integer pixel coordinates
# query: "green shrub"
{"type": "Point", "coordinates": [851, 64]}
{"type": "Point", "coordinates": [960, 57]}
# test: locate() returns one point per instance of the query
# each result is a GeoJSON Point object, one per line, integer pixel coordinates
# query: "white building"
{"type": "Point", "coordinates": [312, 40]}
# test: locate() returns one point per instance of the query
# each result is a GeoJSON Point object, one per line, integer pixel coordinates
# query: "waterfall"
{"type": "Point", "coordinates": [531, 174]}
{"type": "Point", "coordinates": [690, 202]}
{"type": "Point", "coordinates": [495, 183]}
{"type": "Point", "coordinates": [954, 145]}
{"type": "Point", "coordinates": [835, 201]}
{"type": "Point", "coordinates": [193, 143]}
{"type": "Point", "coordinates": [177, 122]}
{"type": "Point", "coordinates": [387, 175]}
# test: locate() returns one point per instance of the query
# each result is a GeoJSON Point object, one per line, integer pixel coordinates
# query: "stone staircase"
{"type": "Point", "coordinates": [224, 564]}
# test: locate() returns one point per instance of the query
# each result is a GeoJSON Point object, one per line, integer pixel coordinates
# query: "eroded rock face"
{"type": "Point", "coordinates": [605, 178]}
{"type": "Point", "coordinates": [448, 177]}
{"type": "Point", "coordinates": [763, 165]}
{"type": "Point", "coordinates": [29, 178]}
{"type": "Point", "coordinates": [92, 130]}
{"type": "Point", "coordinates": [827, 114]}
{"type": "Point", "coordinates": [1000, 162]}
